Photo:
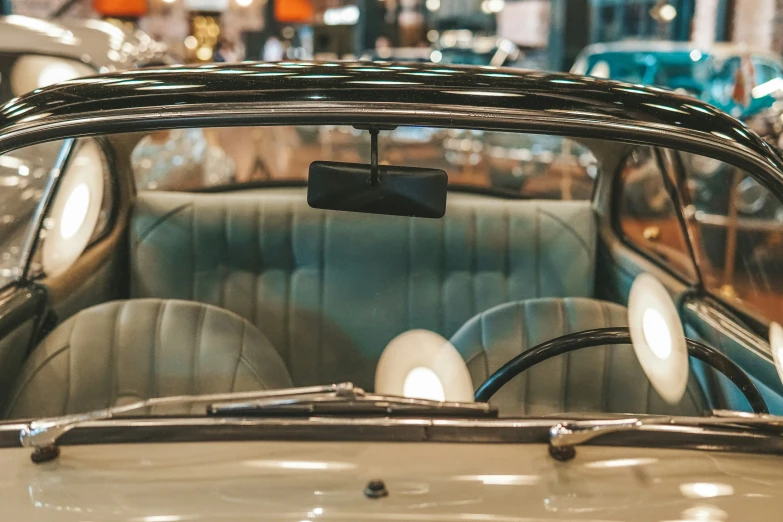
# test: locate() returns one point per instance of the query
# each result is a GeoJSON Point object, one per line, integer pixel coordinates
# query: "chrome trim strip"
{"type": "Point", "coordinates": [731, 329]}
{"type": "Point", "coordinates": [50, 190]}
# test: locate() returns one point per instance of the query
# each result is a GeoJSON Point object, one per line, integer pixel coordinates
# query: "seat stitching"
{"type": "Point", "coordinates": [155, 343]}
{"type": "Point", "coordinates": [442, 275]}
{"type": "Point", "coordinates": [321, 300]}
{"type": "Point", "coordinates": [255, 373]}
{"type": "Point", "coordinates": [411, 285]}
{"type": "Point", "coordinates": [606, 370]}
{"type": "Point", "coordinates": [193, 257]}
{"type": "Point", "coordinates": [567, 359]}
{"type": "Point", "coordinates": [46, 361]}
{"type": "Point", "coordinates": [223, 271]}
{"type": "Point", "coordinates": [525, 339]}
{"type": "Point", "coordinates": [538, 250]}
{"type": "Point", "coordinates": [143, 235]}
{"type": "Point", "coordinates": [194, 383]}
{"type": "Point", "coordinates": [473, 261]}
{"type": "Point", "coordinates": [567, 226]}
{"type": "Point", "coordinates": [292, 267]}
{"type": "Point", "coordinates": [483, 333]}
{"type": "Point", "coordinates": [241, 356]}
{"type": "Point", "coordinates": [260, 271]}
{"type": "Point", "coordinates": [477, 354]}
{"type": "Point", "coordinates": [113, 355]}
{"type": "Point", "coordinates": [507, 256]}
{"type": "Point", "coordinates": [70, 366]}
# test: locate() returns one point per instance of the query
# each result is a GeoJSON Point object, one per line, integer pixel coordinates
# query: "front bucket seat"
{"type": "Point", "coordinates": [126, 351]}
{"type": "Point", "coordinates": [598, 379]}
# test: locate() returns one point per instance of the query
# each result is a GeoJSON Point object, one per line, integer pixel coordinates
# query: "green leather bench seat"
{"type": "Point", "coordinates": [331, 289]}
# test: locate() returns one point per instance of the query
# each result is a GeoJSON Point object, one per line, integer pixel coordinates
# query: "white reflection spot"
{"type": "Point", "coordinates": [656, 333]}
{"type": "Point", "coordinates": [706, 490]}
{"type": "Point", "coordinates": [423, 383]}
{"type": "Point", "coordinates": [75, 211]}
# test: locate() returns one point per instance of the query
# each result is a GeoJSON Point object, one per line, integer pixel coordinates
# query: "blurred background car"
{"type": "Point", "coordinates": [715, 74]}
{"type": "Point", "coordinates": [35, 53]}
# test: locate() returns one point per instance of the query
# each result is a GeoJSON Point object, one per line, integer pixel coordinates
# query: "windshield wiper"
{"type": "Point", "coordinates": [350, 401]}
{"type": "Point", "coordinates": [43, 434]}
{"type": "Point", "coordinates": [565, 436]}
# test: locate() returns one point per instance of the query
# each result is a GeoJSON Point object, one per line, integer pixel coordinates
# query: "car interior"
{"type": "Point", "coordinates": [248, 287]}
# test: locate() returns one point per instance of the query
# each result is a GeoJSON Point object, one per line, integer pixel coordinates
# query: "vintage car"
{"type": "Point", "coordinates": [709, 74]}
{"type": "Point", "coordinates": [35, 53]}
{"type": "Point", "coordinates": [368, 339]}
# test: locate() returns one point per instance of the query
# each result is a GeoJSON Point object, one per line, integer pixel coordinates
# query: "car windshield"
{"type": "Point", "coordinates": [214, 260]}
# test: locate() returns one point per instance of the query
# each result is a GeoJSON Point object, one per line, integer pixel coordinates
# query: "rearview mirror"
{"type": "Point", "coordinates": [391, 190]}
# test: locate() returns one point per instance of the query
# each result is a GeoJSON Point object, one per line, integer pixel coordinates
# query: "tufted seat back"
{"type": "Point", "coordinates": [331, 289]}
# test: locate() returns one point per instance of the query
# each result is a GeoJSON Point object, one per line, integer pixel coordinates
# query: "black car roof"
{"type": "Point", "coordinates": [360, 86]}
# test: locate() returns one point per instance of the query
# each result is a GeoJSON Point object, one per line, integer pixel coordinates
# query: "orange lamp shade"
{"type": "Point", "coordinates": [294, 11]}
{"type": "Point", "coordinates": [120, 8]}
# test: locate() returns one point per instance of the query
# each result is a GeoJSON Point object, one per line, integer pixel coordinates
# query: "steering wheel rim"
{"type": "Point", "coordinates": [612, 336]}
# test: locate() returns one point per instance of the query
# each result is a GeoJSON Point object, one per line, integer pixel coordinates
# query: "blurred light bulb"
{"type": "Point", "coordinates": [495, 6]}
{"type": "Point", "coordinates": [776, 344]}
{"type": "Point", "coordinates": [423, 383]}
{"type": "Point", "coordinates": [656, 333]}
{"type": "Point", "coordinates": [244, 3]}
{"type": "Point", "coordinates": [433, 5]}
{"type": "Point", "coordinates": [436, 56]}
{"type": "Point", "coordinates": [667, 12]}
{"type": "Point", "coordinates": [55, 73]}
{"type": "Point", "coordinates": [75, 211]}
{"type": "Point", "coordinates": [191, 42]}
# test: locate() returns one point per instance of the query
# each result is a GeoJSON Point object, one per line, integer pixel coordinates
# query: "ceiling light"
{"type": "Point", "coordinates": [663, 12]}
{"type": "Point", "coordinates": [495, 6]}
{"type": "Point", "coordinates": [433, 5]}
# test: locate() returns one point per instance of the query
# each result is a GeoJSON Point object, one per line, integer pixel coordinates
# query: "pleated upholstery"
{"type": "Point", "coordinates": [331, 289]}
{"type": "Point", "coordinates": [604, 378]}
{"type": "Point", "coordinates": [125, 351]}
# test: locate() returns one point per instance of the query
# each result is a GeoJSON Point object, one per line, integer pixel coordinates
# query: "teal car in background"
{"type": "Point", "coordinates": [708, 74]}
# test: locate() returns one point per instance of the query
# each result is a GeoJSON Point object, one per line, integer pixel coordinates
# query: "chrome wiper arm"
{"type": "Point", "coordinates": [354, 401]}
{"type": "Point", "coordinates": [564, 436]}
{"type": "Point", "coordinates": [43, 434]}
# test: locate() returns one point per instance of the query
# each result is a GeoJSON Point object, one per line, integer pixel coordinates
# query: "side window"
{"type": "Point", "coordinates": [24, 176]}
{"type": "Point", "coordinates": [80, 212]}
{"type": "Point", "coordinates": [737, 225]}
{"type": "Point", "coordinates": [646, 214]}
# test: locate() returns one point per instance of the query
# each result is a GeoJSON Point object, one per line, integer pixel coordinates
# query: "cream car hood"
{"type": "Point", "coordinates": [303, 481]}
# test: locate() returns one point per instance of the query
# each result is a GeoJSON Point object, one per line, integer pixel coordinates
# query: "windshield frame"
{"type": "Point", "coordinates": [768, 170]}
